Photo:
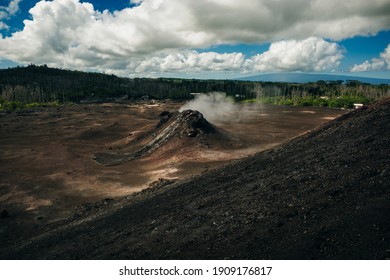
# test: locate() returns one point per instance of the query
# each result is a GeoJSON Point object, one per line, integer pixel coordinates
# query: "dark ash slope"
{"type": "Point", "coordinates": [324, 195]}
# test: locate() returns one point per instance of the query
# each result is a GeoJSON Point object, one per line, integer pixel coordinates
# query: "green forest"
{"type": "Point", "coordinates": [40, 85]}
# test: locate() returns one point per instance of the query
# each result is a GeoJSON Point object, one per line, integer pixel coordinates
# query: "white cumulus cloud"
{"type": "Point", "coordinates": [192, 61]}
{"type": "Point", "coordinates": [7, 11]}
{"type": "Point", "coordinates": [160, 35]}
{"type": "Point", "coordinates": [386, 56]}
{"type": "Point", "coordinates": [375, 64]}
{"type": "Point", "coordinates": [3, 25]}
{"type": "Point", "coordinates": [312, 54]}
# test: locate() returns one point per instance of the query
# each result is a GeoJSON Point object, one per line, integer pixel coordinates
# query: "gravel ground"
{"type": "Point", "coordinates": [322, 195]}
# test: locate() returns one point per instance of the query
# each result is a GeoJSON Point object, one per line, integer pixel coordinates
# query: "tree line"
{"type": "Point", "coordinates": [43, 85]}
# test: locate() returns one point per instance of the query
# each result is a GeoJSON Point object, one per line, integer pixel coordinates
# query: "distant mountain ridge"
{"type": "Point", "coordinates": [310, 78]}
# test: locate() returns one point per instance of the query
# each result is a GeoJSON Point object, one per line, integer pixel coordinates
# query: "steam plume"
{"type": "Point", "coordinates": [217, 107]}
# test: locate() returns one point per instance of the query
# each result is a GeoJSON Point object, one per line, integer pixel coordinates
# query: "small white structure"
{"type": "Point", "coordinates": [358, 105]}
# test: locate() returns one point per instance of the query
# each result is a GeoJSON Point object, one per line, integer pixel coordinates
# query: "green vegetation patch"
{"type": "Point", "coordinates": [344, 101]}
{"type": "Point", "coordinates": [6, 105]}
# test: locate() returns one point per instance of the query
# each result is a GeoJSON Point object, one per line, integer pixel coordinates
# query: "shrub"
{"type": "Point", "coordinates": [16, 105]}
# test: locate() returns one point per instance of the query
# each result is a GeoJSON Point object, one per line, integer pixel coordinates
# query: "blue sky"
{"type": "Point", "coordinates": [186, 38]}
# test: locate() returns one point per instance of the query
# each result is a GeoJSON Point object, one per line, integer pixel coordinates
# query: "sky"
{"type": "Point", "coordinates": [198, 39]}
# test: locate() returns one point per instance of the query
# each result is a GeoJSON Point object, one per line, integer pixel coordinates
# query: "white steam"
{"type": "Point", "coordinates": [217, 107]}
